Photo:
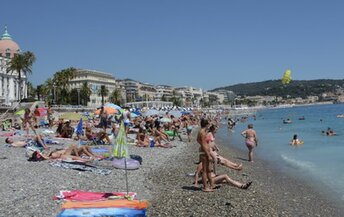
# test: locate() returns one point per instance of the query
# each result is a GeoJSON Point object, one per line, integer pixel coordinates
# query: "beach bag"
{"type": "Point", "coordinates": [33, 154]}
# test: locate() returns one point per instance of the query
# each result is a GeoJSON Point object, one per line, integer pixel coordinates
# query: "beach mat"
{"type": "Point", "coordinates": [80, 167]}
{"type": "Point", "coordinates": [91, 196]}
{"type": "Point", "coordinates": [118, 203]}
{"type": "Point", "coordinates": [100, 150]}
{"type": "Point", "coordinates": [101, 212]}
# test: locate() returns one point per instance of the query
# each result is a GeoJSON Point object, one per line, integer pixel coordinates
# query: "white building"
{"type": "Point", "coordinates": [95, 80]}
{"type": "Point", "coordinates": [9, 88]}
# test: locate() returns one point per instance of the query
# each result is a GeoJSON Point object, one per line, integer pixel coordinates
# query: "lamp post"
{"type": "Point", "coordinates": [54, 89]}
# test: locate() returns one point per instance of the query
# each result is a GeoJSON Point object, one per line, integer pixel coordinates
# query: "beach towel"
{"type": "Point", "coordinates": [52, 142]}
{"type": "Point", "coordinates": [108, 212]}
{"type": "Point", "coordinates": [100, 150]}
{"type": "Point", "coordinates": [120, 203]}
{"type": "Point", "coordinates": [91, 196]}
{"type": "Point", "coordinates": [81, 167]}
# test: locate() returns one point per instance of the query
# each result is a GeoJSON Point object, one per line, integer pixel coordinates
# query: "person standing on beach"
{"type": "Point", "coordinates": [27, 121]}
{"type": "Point", "coordinates": [103, 118]}
{"type": "Point", "coordinates": [251, 140]}
{"type": "Point", "coordinates": [50, 116]}
{"type": "Point", "coordinates": [205, 157]}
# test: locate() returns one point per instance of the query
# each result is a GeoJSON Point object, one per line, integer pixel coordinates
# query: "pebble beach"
{"type": "Point", "coordinates": [28, 188]}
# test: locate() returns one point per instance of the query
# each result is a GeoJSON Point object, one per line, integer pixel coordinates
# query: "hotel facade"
{"type": "Point", "coordinates": [9, 83]}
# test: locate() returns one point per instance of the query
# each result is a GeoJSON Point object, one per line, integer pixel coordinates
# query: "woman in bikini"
{"type": "Point", "coordinates": [205, 157]}
{"type": "Point", "coordinates": [72, 152]}
{"type": "Point", "coordinates": [27, 121]}
{"type": "Point", "coordinates": [251, 140]}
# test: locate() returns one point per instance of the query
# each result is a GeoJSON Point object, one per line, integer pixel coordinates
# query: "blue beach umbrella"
{"type": "Point", "coordinates": [133, 115]}
{"type": "Point", "coordinates": [111, 105]}
{"type": "Point", "coordinates": [78, 129]}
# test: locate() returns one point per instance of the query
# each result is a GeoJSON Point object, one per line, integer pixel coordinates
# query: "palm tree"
{"type": "Point", "coordinates": [61, 81]}
{"type": "Point", "coordinates": [103, 92]}
{"type": "Point", "coordinates": [31, 91]}
{"type": "Point", "coordinates": [85, 93]}
{"type": "Point", "coordinates": [48, 91]}
{"type": "Point", "coordinates": [21, 63]}
{"type": "Point", "coordinates": [116, 96]}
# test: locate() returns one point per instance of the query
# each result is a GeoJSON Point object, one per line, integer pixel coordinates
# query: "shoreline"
{"type": "Point", "coordinates": [28, 187]}
{"type": "Point", "coordinates": [273, 193]}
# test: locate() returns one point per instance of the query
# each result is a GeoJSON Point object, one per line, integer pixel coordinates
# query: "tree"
{"type": "Point", "coordinates": [85, 93]}
{"type": "Point", "coordinates": [103, 92]}
{"type": "Point", "coordinates": [31, 91]}
{"type": "Point", "coordinates": [61, 81]}
{"type": "Point", "coordinates": [48, 91]}
{"type": "Point", "coordinates": [164, 98]}
{"type": "Point", "coordinates": [39, 92]}
{"type": "Point", "coordinates": [116, 96]}
{"type": "Point", "coordinates": [21, 63]}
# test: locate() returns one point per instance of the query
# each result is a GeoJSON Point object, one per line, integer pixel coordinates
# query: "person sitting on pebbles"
{"type": "Point", "coordinates": [214, 151]}
{"type": "Point", "coordinates": [143, 140]}
{"type": "Point", "coordinates": [99, 136]}
{"type": "Point", "coordinates": [67, 130]}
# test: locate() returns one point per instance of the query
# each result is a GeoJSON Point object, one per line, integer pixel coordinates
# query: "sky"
{"type": "Point", "coordinates": [198, 43]}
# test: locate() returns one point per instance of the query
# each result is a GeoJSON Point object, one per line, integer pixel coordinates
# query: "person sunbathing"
{"type": "Point", "coordinates": [37, 141]}
{"type": "Point", "coordinates": [72, 152]}
{"type": "Point", "coordinates": [16, 144]}
{"type": "Point", "coordinates": [225, 179]}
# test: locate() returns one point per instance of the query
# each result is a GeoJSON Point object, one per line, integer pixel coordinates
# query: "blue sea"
{"type": "Point", "coordinates": [320, 160]}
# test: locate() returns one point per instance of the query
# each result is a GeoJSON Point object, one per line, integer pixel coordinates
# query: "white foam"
{"type": "Point", "coordinates": [297, 163]}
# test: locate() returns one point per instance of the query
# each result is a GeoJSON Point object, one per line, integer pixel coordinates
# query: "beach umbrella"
{"type": "Point", "coordinates": [186, 112]}
{"type": "Point", "coordinates": [165, 120]}
{"type": "Point", "coordinates": [150, 112]}
{"type": "Point", "coordinates": [175, 113]}
{"type": "Point", "coordinates": [42, 111]}
{"type": "Point", "coordinates": [78, 129]}
{"type": "Point", "coordinates": [112, 105]}
{"type": "Point", "coordinates": [120, 147]}
{"type": "Point", "coordinates": [108, 110]}
{"type": "Point", "coordinates": [20, 112]}
{"type": "Point", "coordinates": [72, 116]}
{"type": "Point", "coordinates": [133, 115]}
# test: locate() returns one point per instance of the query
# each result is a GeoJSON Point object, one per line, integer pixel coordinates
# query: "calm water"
{"type": "Point", "coordinates": [320, 160]}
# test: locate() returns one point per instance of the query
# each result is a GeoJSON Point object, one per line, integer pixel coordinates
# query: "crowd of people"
{"type": "Point", "coordinates": [157, 130]}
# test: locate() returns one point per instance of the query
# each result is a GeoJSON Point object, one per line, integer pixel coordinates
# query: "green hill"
{"type": "Point", "coordinates": [296, 88]}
